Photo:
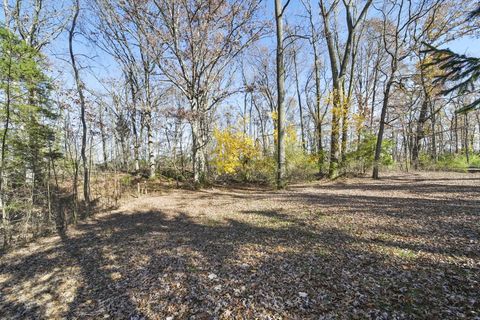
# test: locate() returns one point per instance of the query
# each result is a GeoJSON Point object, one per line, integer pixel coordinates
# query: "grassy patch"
{"type": "Point", "coordinates": [404, 254]}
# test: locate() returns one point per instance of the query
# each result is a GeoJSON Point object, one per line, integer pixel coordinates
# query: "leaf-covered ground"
{"type": "Point", "coordinates": [403, 247]}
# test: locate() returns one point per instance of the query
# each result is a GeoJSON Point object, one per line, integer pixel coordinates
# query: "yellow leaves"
{"type": "Point", "coordinates": [359, 121]}
{"type": "Point", "coordinates": [340, 102]}
{"type": "Point", "coordinates": [233, 150]}
{"type": "Point", "coordinates": [429, 73]}
{"type": "Point", "coordinates": [274, 115]}
{"type": "Point", "coordinates": [339, 99]}
{"type": "Point", "coordinates": [290, 135]}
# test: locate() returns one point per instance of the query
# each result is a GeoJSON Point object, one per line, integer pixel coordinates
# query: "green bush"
{"type": "Point", "coordinates": [300, 166]}
{"type": "Point", "coordinates": [475, 160]}
{"type": "Point", "coordinates": [126, 180]}
{"type": "Point", "coordinates": [361, 159]}
{"type": "Point", "coordinates": [261, 169]}
{"type": "Point", "coordinates": [450, 162]}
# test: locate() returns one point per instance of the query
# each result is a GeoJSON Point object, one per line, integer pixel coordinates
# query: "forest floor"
{"type": "Point", "coordinates": [407, 246]}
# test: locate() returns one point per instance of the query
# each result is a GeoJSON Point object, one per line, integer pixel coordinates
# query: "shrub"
{"type": "Point", "coordinates": [450, 162]}
{"type": "Point", "coordinates": [234, 153]}
{"type": "Point", "coordinates": [299, 165]}
{"type": "Point", "coordinates": [263, 169]}
{"type": "Point", "coordinates": [474, 161]}
{"type": "Point", "coordinates": [361, 159]}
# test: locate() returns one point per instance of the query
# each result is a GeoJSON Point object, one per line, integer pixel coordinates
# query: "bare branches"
{"type": "Point", "coordinates": [38, 22]}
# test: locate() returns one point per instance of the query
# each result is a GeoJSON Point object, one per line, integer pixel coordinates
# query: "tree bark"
{"type": "Point", "coordinates": [279, 9]}
{"type": "Point", "coordinates": [419, 135]}
{"type": "Point", "coordinates": [378, 146]}
{"type": "Point", "coordinates": [5, 213]}
{"type": "Point", "coordinates": [198, 143]}
{"type": "Point", "coordinates": [299, 97]}
{"type": "Point", "coordinates": [79, 86]}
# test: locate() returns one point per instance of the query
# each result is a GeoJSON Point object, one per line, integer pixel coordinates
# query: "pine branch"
{"type": "Point", "coordinates": [464, 71]}
{"type": "Point", "coordinates": [475, 13]}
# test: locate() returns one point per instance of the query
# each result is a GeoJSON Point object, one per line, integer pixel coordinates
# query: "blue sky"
{"type": "Point", "coordinates": [103, 66]}
{"type": "Point", "coordinates": [468, 46]}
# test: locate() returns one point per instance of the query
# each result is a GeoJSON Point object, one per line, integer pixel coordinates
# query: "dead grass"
{"type": "Point", "coordinates": [404, 247]}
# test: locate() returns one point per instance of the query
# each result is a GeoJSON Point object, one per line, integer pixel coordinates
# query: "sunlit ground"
{"type": "Point", "coordinates": [402, 247]}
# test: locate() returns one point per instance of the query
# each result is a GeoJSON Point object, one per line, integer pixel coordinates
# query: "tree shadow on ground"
{"type": "Point", "coordinates": [257, 264]}
{"type": "Point", "coordinates": [451, 223]}
{"type": "Point", "coordinates": [413, 187]}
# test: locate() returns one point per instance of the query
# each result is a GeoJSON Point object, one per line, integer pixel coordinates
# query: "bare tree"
{"type": "Point", "coordinates": [338, 66]}
{"type": "Point", "coordinates": [80, 90]}
{"type": "Point", "coordinates": [399, 37]}
{"type": "Point", "coordinates": [120, 26]}
{"type": "Point", "coordinates": [37, 22]}
{"type": "Point", "coordinates": [299, 98]}
{"type": "Point", "coordinates": [279, 11]}
{"type": "Point", "coordinates": [194, 56]}
{"type": "Point", "coordinates": [314, 39]}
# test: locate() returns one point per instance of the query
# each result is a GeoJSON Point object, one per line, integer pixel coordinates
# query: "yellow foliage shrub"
{"type": "Point", "coordinates": [298, 163]}
{"type": "Point", "coordinates": [237, 155]}
{"type": "Point", "coordinates": [233, 151]}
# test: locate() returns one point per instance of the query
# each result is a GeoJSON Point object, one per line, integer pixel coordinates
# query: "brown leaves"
{"type": "Point", "coordinates": [396, 249]}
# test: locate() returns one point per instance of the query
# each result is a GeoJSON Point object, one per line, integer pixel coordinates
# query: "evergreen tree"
{"type": "Point", "coordinates": [25, 115]}
{"type": "Point", "coordinates": [463, 70]}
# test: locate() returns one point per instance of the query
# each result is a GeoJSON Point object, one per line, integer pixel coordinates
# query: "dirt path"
{"type": "Point", "coordinates": [403, 247]}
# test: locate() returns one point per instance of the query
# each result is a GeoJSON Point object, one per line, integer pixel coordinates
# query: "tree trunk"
{"type": "Point", "coordinates": [148, 117]}
{"type": "Point", "coordinates": [338, 70]}
{"type": "Point", "coordinates": [280, 95]}
{"type": "Point", "coordinates": [262, 127]}
{"type": "Point", "coordinates": [133, 119]}
{"type": "Point", "coordinates": [478, 124]}
{"type": "Point", "coordinates": [103, 137]}
{"type": "Point", "coordinates": [299, 97]}
{"type": "Point", "coordinates": [198, 143]}
{"type": "Point", "coordinates": [374, 94]}
{"type": "Point", "coordinates": [151, 155]}
{"type": "Point", "coordinates": [346, 103]}
{"type": "Point", "coordinates": [434, 134]}
{"type": "Point", "coordinates": [319, 118]}
{"type": "Point", "coordinates": [466, 142]}
{"type": "Point", "coordinates": [79, 85]}
{"type": "Point", "coordinates": [456, 133]}
{"type": "Point", "coordinates": [317, 137]}
{"type": "Point", "coordinates": [5, 213]}
{"type": "Point", "coordinates": [334, 147]}
{"type": "Point", "coordinates": [419, 135]}
{"type": "Point", "coordinates": [378, 146]}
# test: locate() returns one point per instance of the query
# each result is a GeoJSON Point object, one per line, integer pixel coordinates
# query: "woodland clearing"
{"type": "Point", "coordinates": [406, 246]}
